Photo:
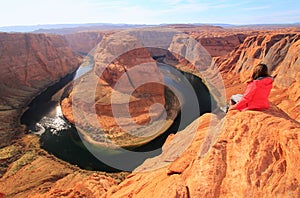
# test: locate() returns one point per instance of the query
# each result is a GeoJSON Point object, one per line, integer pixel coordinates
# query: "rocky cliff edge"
{"type": "Point", "coordinates": [245, 154]}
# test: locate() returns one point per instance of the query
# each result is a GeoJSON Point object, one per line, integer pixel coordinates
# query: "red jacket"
{"type": "Point", "coordinates": [256, 95]}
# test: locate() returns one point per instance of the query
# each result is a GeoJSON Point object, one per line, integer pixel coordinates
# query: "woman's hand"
{"type": "Point", "coordinates": [232, 107]}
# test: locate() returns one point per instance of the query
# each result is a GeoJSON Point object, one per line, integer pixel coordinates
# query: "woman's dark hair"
{"type": "Point", "coordinates": [261, 70]}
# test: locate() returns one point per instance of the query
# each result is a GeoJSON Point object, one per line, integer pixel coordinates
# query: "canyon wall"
{"type": "Point", "coordinates": [278, 50]}
{"type": "Point", "coordinates": [217, 43]}
{"type": "Point", "coordinates": [84, 42]}
{"type": "Point", "coordinates": [29, 64]}
{"type": "Point", "coordinates": [220, 44]}
{"type": "Point", "coordinates": [195, 51]}
{"type": "Point", "coordinates": [286, 94]}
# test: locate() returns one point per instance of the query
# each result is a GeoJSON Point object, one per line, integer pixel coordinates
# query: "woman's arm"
{"type": "Point", "coordinates": [247, 96]}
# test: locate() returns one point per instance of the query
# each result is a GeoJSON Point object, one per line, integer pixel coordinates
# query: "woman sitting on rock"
{"type": "Point", "coordinates": [257, 91]}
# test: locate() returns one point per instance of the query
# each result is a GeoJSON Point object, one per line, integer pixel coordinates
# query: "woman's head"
{"type": "Point", "coordinates": [261, 70]}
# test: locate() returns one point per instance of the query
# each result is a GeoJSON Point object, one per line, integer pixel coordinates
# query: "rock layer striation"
{"type": "Point", "coordinates": [247, 153]}
{"type": "Point", "coordinates": [29, 64]}
{"type": "Point", "coordinates": [124, 94]}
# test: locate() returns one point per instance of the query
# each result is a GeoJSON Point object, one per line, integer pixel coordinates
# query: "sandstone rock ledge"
{"type": "Point", "coordinates": [247, 154]}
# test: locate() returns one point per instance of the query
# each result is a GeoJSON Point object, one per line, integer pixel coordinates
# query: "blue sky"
{"type": "Point", "coordinates": [34, 12]}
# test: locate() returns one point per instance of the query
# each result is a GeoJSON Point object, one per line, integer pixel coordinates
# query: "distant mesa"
{"type": "Point", "coordinates": [67, 28]}
{"type": "Point", "coordinates": [73, 28]}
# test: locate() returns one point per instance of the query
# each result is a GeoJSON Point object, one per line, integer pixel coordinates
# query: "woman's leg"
{"type": "Point", "coordinates": [235, 98]}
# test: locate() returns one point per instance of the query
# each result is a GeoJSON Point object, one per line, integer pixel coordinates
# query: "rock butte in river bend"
{"type": "Point", "coordinates": [245, 154]}
{"type": "Point", "coordinates": [133, 100]}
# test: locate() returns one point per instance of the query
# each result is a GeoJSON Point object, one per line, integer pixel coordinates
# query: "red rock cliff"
{"type": "Point", "coordinates": [216, 43]}
{"type": "Point", "coordinates": [247, 154]}
{"type": "Point", "coordinates": [84, 42]}
{"type": "Point", "coordinates": [280, 51]}
{"type": "Point", "coordinates": [29, 64]}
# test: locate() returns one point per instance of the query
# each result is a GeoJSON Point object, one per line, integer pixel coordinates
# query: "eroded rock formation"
{"type": "Point", "coordinates": [280, 51]}
{"type": "Point", "coordinates": [220, 44]}
{"type": "Point", "coordinates": [129, 94]}
{"type": "Point", "coordinates": [286, 95]}
{"type": "Point", "coordinates": [247, 153]}
{"type": "Point", "coordinates": [29, 171]}
{"type": "Point", "coordinates": [84, 42]}
{"type": "Point", "coordinates": [29, 64]}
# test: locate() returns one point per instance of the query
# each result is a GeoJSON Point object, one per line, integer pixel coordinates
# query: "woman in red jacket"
{"type": "Point", "coordinates": [257, 91]}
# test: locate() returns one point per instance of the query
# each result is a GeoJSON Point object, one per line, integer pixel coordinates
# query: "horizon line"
{"type": "Point", "coordinates": [149, 24]}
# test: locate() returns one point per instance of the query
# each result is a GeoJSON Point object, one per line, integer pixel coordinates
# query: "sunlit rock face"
{"type": "Point", "coordinates": [220, 44]}
{"type": "Point", "coordinates": [84, 42]}
{"type": "Point", "coordinates": [280, 52]}
{"type": "Point", "coordinates": [250, 152]}
{"type": "Point", "coordinates": [288, 82]}
{"type": "Point", "coordinates": [270, 49]}
{"type": "Point", "coordinates": [29, 64]}
{"type": "Point", "coordinates": [124, 99]}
